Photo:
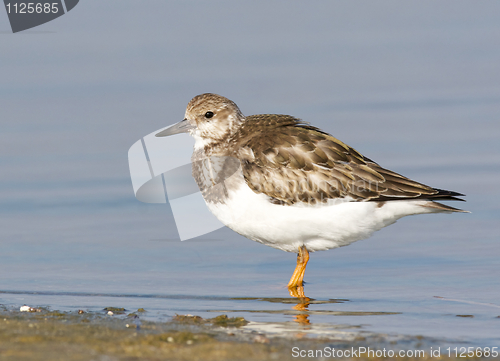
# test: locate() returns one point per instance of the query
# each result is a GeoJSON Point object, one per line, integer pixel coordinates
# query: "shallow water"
{"type": "Point", "coordinates": [73, 236]}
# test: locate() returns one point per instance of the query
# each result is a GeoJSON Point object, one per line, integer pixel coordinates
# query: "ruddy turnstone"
{"type": "Point", "coordinates": [286, 184]}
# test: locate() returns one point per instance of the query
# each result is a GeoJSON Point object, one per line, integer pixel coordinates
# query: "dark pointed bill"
{"type": "Point", "coordinates": [182, 127]}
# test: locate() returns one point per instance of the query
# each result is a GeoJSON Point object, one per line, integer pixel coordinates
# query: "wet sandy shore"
{"type": "Point", "coordinates": [118, 334]}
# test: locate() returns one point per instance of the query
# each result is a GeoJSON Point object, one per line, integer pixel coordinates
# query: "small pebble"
{"type": "Point", "coordinates": [170, 339]}
{"type": "Point", "coordinates": [189, 342]}
{"type": "Point", "coordinates": [261, 339]}
{"type": "Point", "coordinates": [80, 312]}
{"type": "Point", "coordinates": [110, 313]}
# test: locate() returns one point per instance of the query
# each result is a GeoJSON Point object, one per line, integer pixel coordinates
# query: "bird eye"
{"type": "Point", "coordinates": [209, 115]}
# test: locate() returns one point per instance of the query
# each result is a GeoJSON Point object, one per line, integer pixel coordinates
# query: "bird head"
{"type": "Point", "coordinates": [209, 118]}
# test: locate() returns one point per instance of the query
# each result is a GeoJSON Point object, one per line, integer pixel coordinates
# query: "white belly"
{"type": "Point", "coordinates": [318, 227]}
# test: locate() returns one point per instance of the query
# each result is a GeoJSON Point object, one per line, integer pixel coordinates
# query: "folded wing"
{"type": "Point", "coordinates": [294, 162]}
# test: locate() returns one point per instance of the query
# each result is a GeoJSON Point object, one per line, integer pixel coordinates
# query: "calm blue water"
{"type": "Point", "coordinates": [414, 86]}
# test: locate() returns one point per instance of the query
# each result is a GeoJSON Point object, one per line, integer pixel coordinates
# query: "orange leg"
{"type": "Point", "coordinates": [298, 275]}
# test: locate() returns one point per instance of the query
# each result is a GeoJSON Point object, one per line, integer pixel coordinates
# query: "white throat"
{"type": "Point", "coordinates": [200, 142]}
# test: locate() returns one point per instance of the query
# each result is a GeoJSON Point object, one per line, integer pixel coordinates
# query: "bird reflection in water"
{"type": "Point", "coordinates": [302, 305]}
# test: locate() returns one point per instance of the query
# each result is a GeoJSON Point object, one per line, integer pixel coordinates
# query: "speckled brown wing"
{"type": "Point", "coordinates": [292, 162]}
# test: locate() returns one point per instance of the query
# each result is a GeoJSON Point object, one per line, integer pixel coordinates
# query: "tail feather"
{"type": "Point", "coordinates": [445, 195]}
{"type": "Point", "coordinates": [440, 194]}
{"type": "Point", "coordinates": [439, 207]}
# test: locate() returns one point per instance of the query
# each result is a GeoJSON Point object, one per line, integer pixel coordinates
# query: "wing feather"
{"type": "Point", "coordinates": [293, 162]}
